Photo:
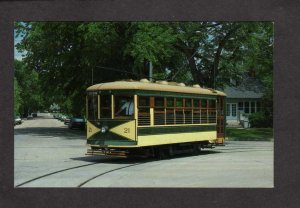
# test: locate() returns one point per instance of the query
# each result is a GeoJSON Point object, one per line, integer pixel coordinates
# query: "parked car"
{"type": "Point", "coordinates": [61, 117]}
{"type": "Point", "coordinates": [29, 117]}
{"type": "Point", "coordinates": [67, 120]}
{"type": "Point", "coordinates": [57, 116]}
{"type": "Point", "coordinates": [18, 120]}
{"type": "Point", "coordinates": [77, 122]}
{"type": "Point", "coordinates": [34, 114]}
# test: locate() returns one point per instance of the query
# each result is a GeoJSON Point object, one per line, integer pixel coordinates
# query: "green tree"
{"type": "Point", "coordinates": [70, 56]}
{"type": "Point", "coordinates": [149, 42]}
{"type": "Point", "coordinates": [17, 97]}
{"type": "Point", "coordinates": [27, 87]}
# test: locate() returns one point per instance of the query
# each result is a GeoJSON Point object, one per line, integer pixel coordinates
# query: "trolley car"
{"type": "Point", "coordinates": [152, 118]}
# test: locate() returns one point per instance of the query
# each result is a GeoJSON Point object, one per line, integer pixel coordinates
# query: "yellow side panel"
{"type": "Point", "coordinates": [126, 130]}
{"type": "Point", "coordinates": [176, 138]}
{"type": "Point", "coordinates": [91, 129]}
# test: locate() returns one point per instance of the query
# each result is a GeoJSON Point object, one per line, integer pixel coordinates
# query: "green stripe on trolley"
{"type": "Point", "coordinates": [142, 131]}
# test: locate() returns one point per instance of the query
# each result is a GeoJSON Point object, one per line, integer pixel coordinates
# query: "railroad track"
{"type": "Point", "coordinates": [106, 172]}
{"type": "Point", "coordinates": [76, 167]}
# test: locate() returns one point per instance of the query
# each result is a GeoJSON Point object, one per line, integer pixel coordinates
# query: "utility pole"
{"type": "Point", "coordinates": [92, 75]}
{"type": "Point", "coordinates": [150, 71]}
{"type": "Point", "coordinates": [214, 76]}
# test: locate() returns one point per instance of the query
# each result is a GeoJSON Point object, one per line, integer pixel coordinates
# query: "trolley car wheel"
{"type": "Point", "coordinates": [197, 148]}
{"type": "Point", "coordinates": [170, 151]}
{"type": "Point", "coordinates": [159, 153]}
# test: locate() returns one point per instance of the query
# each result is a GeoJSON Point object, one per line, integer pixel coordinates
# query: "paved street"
{"type": "Point", "coordinates": [48, 154]}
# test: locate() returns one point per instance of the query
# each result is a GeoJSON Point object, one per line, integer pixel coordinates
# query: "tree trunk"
{"type": "Point", "coordinates": [197, 76]}
{"type": "Point", "coordinates": [217, 57]}
{"type": "Point", "coordinates": [190, 54]}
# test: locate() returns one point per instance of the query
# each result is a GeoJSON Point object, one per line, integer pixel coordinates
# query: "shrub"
{"type": "Point", "coordinates": [260, 120]}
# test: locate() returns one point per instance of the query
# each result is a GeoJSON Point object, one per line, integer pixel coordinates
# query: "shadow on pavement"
{"type": "Point", "coordinates": [49, 132]}
{"type": "Point", "coordinates": [132, 160]}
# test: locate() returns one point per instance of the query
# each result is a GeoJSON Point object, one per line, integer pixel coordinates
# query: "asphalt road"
{"type": "Point", "coordinates": [48, 154]}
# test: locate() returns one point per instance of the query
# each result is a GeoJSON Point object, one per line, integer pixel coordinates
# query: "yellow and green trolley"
{"type": "Point", "coordinates": [152, 118]}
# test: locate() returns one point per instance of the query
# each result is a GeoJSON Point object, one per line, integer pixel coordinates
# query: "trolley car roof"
{"type": "Point", "coordinates": [157, 86]}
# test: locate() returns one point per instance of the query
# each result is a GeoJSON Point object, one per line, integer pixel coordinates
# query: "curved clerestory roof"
{"type": "Point", "coordinates": [162, 86]}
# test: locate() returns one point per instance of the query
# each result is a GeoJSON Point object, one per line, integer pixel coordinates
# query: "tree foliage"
{"type": "Point", "coordinates": [70, 56]}
{"type": "Point", "coordinates": [27, 97]}
{"type": "Point", "coordinates": [17, 97]}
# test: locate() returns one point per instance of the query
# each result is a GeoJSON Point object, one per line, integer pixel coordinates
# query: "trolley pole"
{"type": "Point", "coordinates": [92, 75]}
{"type": "Point", "coordinates": [150, 71]}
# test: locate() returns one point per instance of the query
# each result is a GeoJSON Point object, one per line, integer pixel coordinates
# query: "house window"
{"type": "Point", "coordinates": [258, 106]}
{"type": "Point", "coordinates": [227, 109]}
{"type": "Point", "coordinates": [252, 107]}
{"type": "Point", "coordinates": [246, 107]}
{"type": "Point", "coordinates": [233, 110]}
{"type": "Point", "coordinates": [241, 106]}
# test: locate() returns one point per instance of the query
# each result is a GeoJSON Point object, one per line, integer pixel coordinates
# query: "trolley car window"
{"type": "Point", "coordinates": [188, 113]}
{"type": "Point", "coordinates": [144, 102]}
{"type": "Point", "coordinates": [170, 111]}
{"type": "Point", "coordinates": [170, 102]}
{"type": "Point", "coordinates": [92, 106]}
{"type": "Point", "coordinates": [179, 116]}
{"type": "Point", "coordinates": [196, 103]}
{"type": "Point", "coordinates": [204, 111]}
{"type": "Point", "coordinates": [212, 115]}
{"type": "Point", "coordinates": [159, 102]}
{"type": "Point", "coordinates": [105, 106]}
{"type": "Point", "coordinates": [212, 104]}
{"type": "Point", "coordinates": [203, 103]}
{"type": "Point", "coordinates": [143, 111]}
{"type": "Point", "coordinates": [124, 106]}
{"type": "Point", "coordinates": [159, 111]}
{"type": "Point", "coordinates": [188, 103]}
{"type": "Point", "coordinates": [196, 111]}
{"type": "Point", "coordinates": [179, 102]}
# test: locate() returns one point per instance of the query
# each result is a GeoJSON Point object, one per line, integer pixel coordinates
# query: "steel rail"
{"type": "Point", "coordinates": [52, 173]}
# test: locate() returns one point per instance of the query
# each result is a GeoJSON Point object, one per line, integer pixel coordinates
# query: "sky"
{"type": "Point", "coordinates": [17, 55]}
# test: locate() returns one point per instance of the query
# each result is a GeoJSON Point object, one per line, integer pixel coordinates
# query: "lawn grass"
{"type": "Point", "coordinates": [249, 134]}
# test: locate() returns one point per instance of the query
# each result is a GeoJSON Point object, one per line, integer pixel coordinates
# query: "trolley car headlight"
{"type": "Point", "coordinates": [103, 129]}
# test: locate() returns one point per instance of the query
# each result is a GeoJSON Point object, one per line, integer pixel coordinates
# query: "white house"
{"type": "Point", "coordinates": [242, 99]}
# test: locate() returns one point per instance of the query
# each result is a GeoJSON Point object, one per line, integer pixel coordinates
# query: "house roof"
{"type": "Point", "coordinates": [249, 88]}
{"type": "Point", "coordinates": [157, 86]}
